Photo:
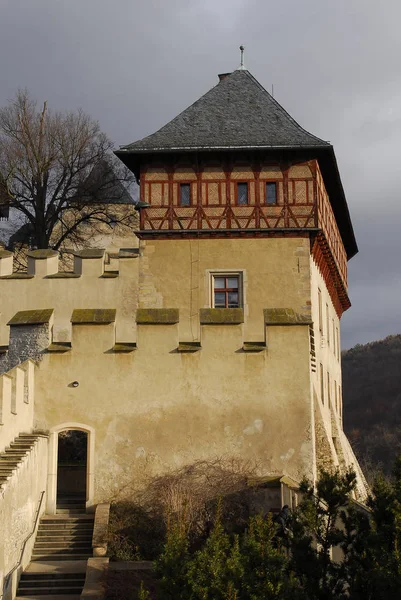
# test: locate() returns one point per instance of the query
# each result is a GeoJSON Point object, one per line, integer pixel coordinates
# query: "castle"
{"type": "Point", "coordinates": [215, 332]}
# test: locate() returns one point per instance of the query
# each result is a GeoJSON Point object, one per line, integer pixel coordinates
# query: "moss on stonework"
{"type": "Point", "coordinates": [254, 346]}
{"type": "Point", "coordinates": [90, 253]}
{"type": "Point", "coordinates": [41, 254]}
{"type": "Point", "coordinates": [221, 316]}
{"type": "Point", "coordinates": [157, 316]}
{"type": "Point", "coordinates": [124, 348]}
{"type": "Point", "coordinates": [18, 275]}
{"type": "Point", "coordinates": [285, 316]}
{"type": "Point", "coordinates": [63, 275]}
{"type": "Point", "coordinates": [93, 316]}
{"type": "Point", "coordinates": [31, 317]}
{"type": "Point", "coordinates": [189, 347]}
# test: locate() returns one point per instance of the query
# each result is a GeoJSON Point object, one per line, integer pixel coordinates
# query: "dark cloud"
{"type": "Point", "coordinates": [134, 64]}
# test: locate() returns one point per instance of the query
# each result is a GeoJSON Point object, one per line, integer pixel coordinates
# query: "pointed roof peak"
{"type": "Point", "coordinates": [236, 113]}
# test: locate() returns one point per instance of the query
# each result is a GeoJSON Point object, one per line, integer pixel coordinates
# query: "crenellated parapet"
{"type": "Point", "coordinates": [46, 264]}
{"type": "Point", "coordinates": [16, 402]}
{"type": "Point", "coordinates": [94, 331]}
{"type": "Point", "coordinates": [90, 283]}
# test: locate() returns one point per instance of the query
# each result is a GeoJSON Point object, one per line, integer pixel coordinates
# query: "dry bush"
{"type": "Point", "coordinates": [125, 585]}
{"type": "Point", "coordinates": [188, 496]}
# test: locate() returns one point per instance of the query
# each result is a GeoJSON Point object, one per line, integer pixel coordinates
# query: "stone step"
{"type": "Point", "coordinates": [45, 591]}
{"type": "Point", "coordinates": [63, 544]}
{"type": "Point", "coordinates": [21, 445]}
{"type": "Point", "coordinates": [56, 535]}
{"type": "Point", "coordinates": [66, 526]}
{"type": "Point", "coordinates": [51, 597]}
{"type": "Point", "coordinates": [27, 575]}
{"type": "Point", "coordinates": [70, 511]}
{"type": "Point", "coordinates": [51, 583]}
{"type": "Point", "coordinates": [48, 557]}
{"type": "Point", "coordinates": [59, 519]}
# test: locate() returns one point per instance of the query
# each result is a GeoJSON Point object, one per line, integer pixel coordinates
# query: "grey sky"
{"type": "Point", "coordinates": [335, 66]}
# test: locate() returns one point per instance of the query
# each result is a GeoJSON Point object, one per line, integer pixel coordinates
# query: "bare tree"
{"type": "Point", "coordinates": [57, 170]}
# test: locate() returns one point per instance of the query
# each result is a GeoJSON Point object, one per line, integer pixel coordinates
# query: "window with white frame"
{"type": "Point", "coordinates": [226, 290]}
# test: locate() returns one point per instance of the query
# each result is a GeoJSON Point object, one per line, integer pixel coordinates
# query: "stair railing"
{"type": "Point", "coordinates": [8, 577]}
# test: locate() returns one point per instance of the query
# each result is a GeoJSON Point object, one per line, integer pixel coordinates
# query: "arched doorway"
{"type": "Point", "coordinates": [57, 482]}
{"type": "Point", "coordinates": [72, 462]}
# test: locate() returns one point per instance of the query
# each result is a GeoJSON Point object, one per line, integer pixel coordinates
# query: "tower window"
{"type": "Point", "coordinates": [242, 194]}
{"type": "Point", "coordinates": [271, 192]}
{"type": "Point", "coordinates": [185, 194]}
{"type": "Point", "coordinates": [226, 291]}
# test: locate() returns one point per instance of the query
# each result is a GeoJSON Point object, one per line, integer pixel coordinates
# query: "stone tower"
{"type": "Point", "coordinates": [244, 227]}
{"type": "Point", "coordinates": [215, 332]}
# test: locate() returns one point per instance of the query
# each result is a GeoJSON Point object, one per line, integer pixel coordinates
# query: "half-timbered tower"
{"type": "Point", "coordinates": [244, 222]}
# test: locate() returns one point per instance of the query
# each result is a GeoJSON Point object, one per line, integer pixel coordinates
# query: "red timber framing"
{"type": "Point", "coordinates": [302, 207]}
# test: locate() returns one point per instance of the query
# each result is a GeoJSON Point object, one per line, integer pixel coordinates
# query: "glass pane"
{"type": "Point", "coordinates": [242, 193]}
{"type": "Point", "coordinates": [271, 193]}
{"type": "Point", "coordinates": [219, 299]}
{"type": "Point", "coordinates": [232, 283]}
{"type": "Point", "coordinates": [185, 194]}
{"type": "Point", "coordinates": [219, 282]}
{"type": "Point", "coordinates": [233, 300]}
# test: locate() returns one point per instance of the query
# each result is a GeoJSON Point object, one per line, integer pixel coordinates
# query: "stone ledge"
{"type": "Point", "coordinates": [18, 275]}
{"type": "Point", "coordinates": [5, 254]}
{"type": "Point", "coordinates": [109, 275]}
{"type": "Point", "coordinates": [221, 316]}
{"type": "Point", "coordinates": [285, 316]}
{"type": "Point", "coordinates": [95, 570]}
{"type": "Point", "coordinates": [128, 253]}
{"type": "Point", "coordinates": [124, 348]}
{"type": "Point", "coordinates": [100, 529]}
{"type": "Point", "coordinates": [63, 275]}
{"type": "Point", "coordinates": [3, 349]}
{"type": "Point", "coordinates": [189, 346]}
{"type": "Point", "coordinates": [157, 316]}
{"type": "Point", "coordinates": [90, 253]}
{"type": "Point", "coordinates": [93, 316]}
{"type": "Point", "coordinates": [31, 317]}
{"type": "Point", "coordinates": [254, 346]}
{"type": "Point", "coordinates": [59, 347]}
{"type": "Point", "coordinates": [42, 254]}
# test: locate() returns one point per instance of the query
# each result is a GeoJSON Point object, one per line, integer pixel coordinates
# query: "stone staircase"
{"type": "Point", "coordinates": [14, 454]}
{"type": "Point", "coordinates": [62, 547]}
{"type": "Point", "coordinates": [34, 585]}
{"type": "Point", "coordinates": [64, 537]}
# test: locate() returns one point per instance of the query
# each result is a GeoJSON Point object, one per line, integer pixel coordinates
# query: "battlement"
{"type": "Point", "coordinates": [46, 264]}
{"type": "Point", "coordinates": [94, 331]}
{"type": "Point", "coordinates": [16, 402]}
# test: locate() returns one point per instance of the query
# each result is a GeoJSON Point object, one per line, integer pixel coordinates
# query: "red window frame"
{"type": "Point", "coordinates": [276, 194]}
{"type": "Point", "coordinates": [190, 193]}
{"type": "Point", "coordinates": [226, 290]}
{"type": "Point", "coordinates": [247, 194]}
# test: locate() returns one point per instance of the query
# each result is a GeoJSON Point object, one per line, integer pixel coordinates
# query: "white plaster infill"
{"type": "Point", "coordinates": [53, 459]}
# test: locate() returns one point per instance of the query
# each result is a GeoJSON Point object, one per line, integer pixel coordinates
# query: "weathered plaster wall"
{"type": "Point", "coordinates": [19, 500]}
{"type": "Point", "coordinates": [177, 273]}
{"type": "Point", "coordinates": [90, 289]}
{"type": "Point", "coordinates": [16, 403]}
{"type": "Point", "coordinates": [157, 409]}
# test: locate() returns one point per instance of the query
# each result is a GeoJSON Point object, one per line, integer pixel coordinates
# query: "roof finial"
{"type": "Point", "coordinates": [242, 66]}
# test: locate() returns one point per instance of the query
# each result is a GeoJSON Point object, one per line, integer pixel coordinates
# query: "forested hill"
{"type": "Point", "coordinates": [372, 400]}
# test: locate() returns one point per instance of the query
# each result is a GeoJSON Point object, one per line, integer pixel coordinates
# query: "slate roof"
{"type": "Point", "coordinates": [237, 113]}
